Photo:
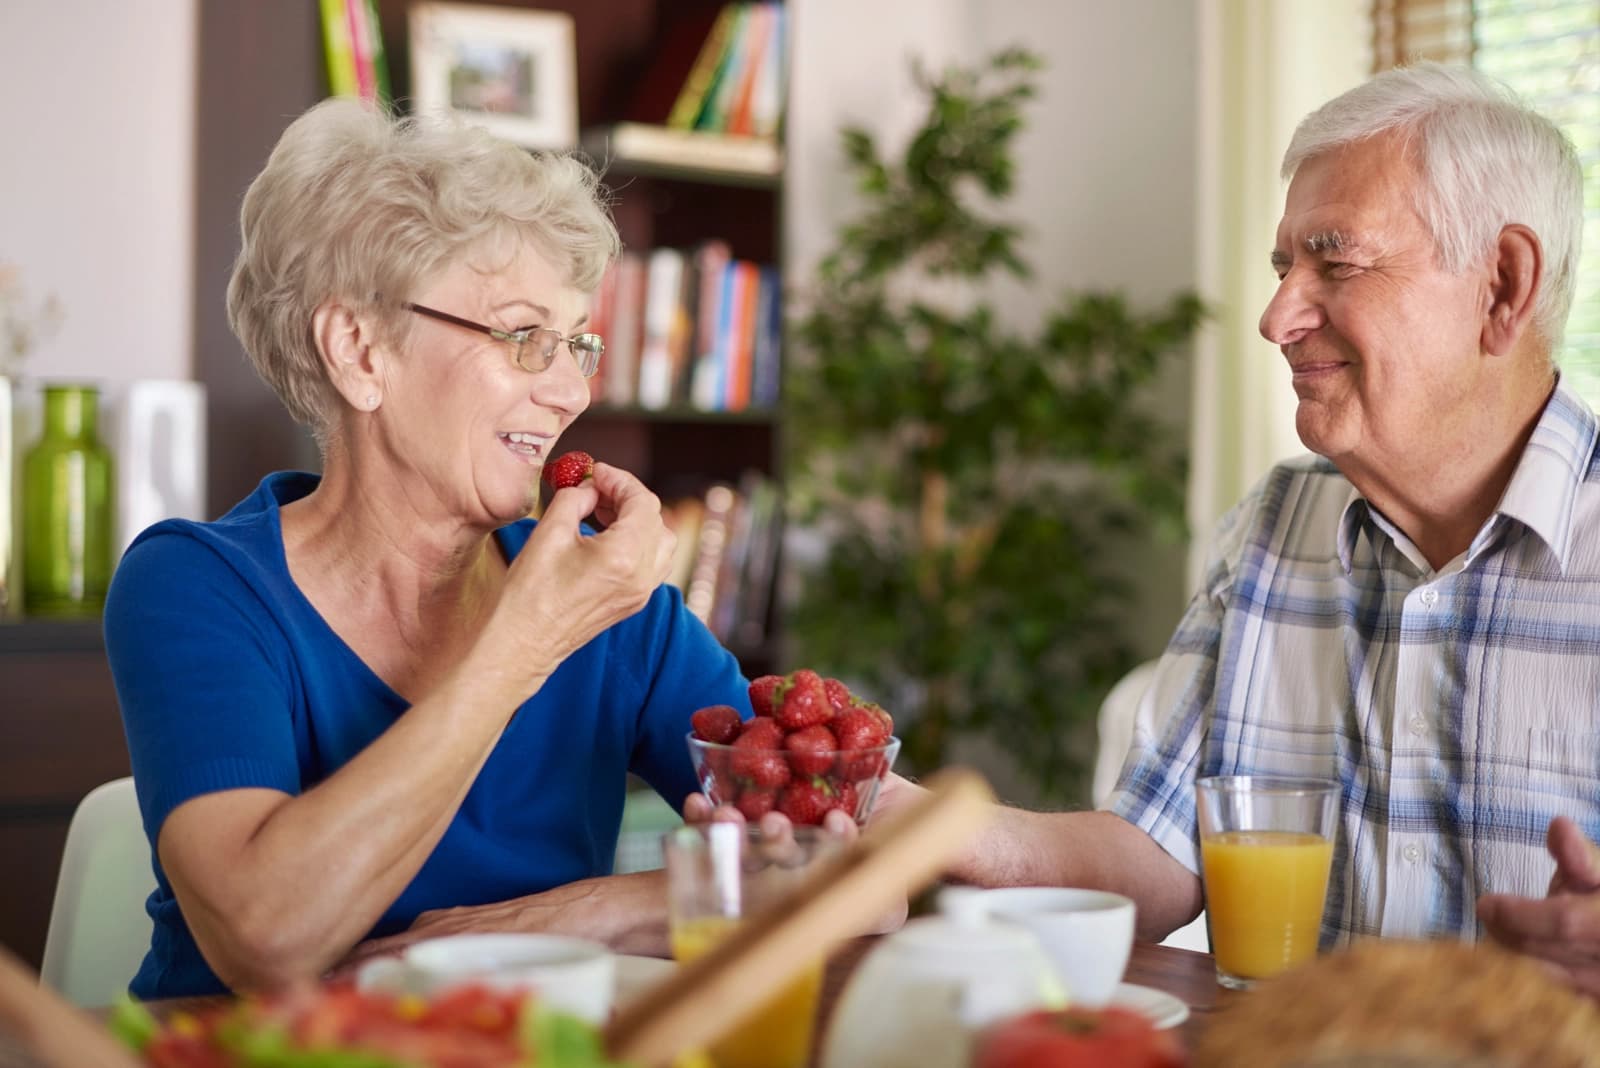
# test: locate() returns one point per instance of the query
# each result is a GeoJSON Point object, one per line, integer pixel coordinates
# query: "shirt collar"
{"type": "Point", "coordinates": [1543, 487]}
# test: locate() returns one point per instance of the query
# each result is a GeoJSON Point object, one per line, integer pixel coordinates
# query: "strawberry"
{"type": "Point", "coordinates": [862, 727]}
{"type": "Point", "coordinates": [805, 801]}
{"type": "Point", "coordinates": [761, 693]}
{"type": "Point", "coordinates": [755, 803]}
{"type": "Point", "coordinates": [811, 750]}
{"type": "Point", "coordinates": [569, 469]}
{"type": "Point", "coordinates": [716, 723]}
{"type": "Point", "coordinates": [838, 694]}
{"type": "Point", "coordinates": [859, 727]}
{"type": "Point", "coordinates": [756, 756]}
{"type": "Point", "coordinates": [801, 701]}
{"type": "Point", "coordinates": [845, 799]}
{"type": "Point", "coordinates": [768, 729]}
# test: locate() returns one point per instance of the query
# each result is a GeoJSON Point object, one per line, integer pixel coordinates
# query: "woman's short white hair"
{"type": "Point", "coordinates": [1487, 160]}
{"type": "Point", "coordinates": [358, 205]}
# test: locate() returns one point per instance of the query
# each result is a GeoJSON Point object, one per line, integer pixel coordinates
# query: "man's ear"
{"type": "Point", "coordinates": [354, 362]}
{"type": "Point", "coordinates": [1518, 272]}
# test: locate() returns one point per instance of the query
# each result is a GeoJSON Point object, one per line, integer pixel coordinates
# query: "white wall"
{"type": "Point", "coordinates": [96, 180]}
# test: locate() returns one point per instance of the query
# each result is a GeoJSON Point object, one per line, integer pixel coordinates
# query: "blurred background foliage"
{"type": "Point", "coordinates": [965, 475]}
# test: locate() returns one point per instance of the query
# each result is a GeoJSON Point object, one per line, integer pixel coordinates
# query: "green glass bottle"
{"type": "Point", "coordinates": [67, 510]}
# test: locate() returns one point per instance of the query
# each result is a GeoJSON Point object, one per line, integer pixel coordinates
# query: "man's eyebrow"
{"type": "Point", "coordinates": [1330, 241]}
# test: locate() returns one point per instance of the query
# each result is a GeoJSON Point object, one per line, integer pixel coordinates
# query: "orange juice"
{"type": "Point", "coordinates": [1264, 896]}
{"type": "Point", "coordinates": [778, 1034]}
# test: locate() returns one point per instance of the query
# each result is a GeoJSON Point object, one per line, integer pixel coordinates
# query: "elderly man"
{"type": "Point", "coordinates": [1416, 608]}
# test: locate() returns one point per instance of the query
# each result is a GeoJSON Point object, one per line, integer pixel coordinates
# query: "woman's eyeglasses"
{"type": "Point", "coordinates": [534, 347]}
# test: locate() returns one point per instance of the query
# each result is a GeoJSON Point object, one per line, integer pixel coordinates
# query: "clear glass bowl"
{"type": "Point", "coordinates": [756, 780]}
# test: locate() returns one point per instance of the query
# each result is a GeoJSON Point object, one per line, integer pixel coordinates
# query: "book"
{"type": "Point", "coordinates": [712, 544]}
{"type": "Point", "coordinates": [690, 149]}
{"type": "Point", "coordinates": [766, 361]}
{"type": "Point", "coordinates": [627, 326]}
{"type": "Point", "coordinates": [675, 56]}
{"type": "Point", "coordinates": [736, 382]}
{"type": "Point", "coordinates": [731, 74]}
{"type": "Point", "coordinates": [711, 261]}
{"type": "Point", "coordinates": [716, 378]}
{"type": "Point", "coordinates": [758, 30]}
{"type": "Point", "coordinates": [766, 106]}
{"type": "Point", "coordinates": [683, 517]}
{"type": "Point", "coordinates": [663, 281]}
{"type": "Point", "coordinates": [605, 299]}
{"type": "Point", "coordinates": [727, 69]}
{"type": "Point", "coordinates": [695, 86]}
{"type": "Point", "coordinates": [353, 47]}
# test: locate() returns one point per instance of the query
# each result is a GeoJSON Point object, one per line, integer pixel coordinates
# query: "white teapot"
{"type": "Point", "coordinates": [922, 992]}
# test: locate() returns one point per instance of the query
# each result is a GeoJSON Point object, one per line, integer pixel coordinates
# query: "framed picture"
{"type": "Point", "coordinates": [508, 70]}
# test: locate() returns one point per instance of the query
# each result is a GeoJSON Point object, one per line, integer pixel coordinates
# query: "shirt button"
{"type": "Point", "coordinates": [1412, 852]}
{"type": "Point", "coordinates": [1430, 597]}
{"type": "Point", "coordinates": [1419, 726]}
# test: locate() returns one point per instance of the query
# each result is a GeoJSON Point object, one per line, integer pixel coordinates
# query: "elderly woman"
{"type": "Point", "coordinates": [382, 700]}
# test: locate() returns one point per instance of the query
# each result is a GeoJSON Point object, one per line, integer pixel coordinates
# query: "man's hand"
{"type": "Point", "coordinates": [1562, 928]}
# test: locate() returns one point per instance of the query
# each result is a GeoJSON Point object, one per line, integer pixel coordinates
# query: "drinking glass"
{"type": "Point", "coordinates": [1266, 845]}
{"type": "Point", "coordinates": [717, 875]}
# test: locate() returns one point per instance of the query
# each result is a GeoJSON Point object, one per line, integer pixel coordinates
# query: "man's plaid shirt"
{"type": "Point", "coordinates": [1460, 708]}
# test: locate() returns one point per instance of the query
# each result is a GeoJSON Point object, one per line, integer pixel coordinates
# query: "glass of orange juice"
{"type": "Point", "coordinates": [1266, 845]}
{"type": "Point", "coordinates": [719, 873]}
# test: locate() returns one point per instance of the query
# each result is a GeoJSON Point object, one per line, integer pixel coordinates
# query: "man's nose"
{"type": "Point", "coordinates": [1293, 312]}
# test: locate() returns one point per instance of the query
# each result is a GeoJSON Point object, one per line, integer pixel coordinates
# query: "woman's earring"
{"type": "Point", "coordinates": [372, 401]}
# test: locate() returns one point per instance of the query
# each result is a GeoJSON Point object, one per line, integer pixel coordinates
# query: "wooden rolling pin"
{"type": "Point", "coordinates": [56, 1033]}
{"type": "Point", "coordinates": [842, 897]}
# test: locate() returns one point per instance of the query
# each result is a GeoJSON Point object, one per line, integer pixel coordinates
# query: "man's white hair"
{"type": "Point", "coordinates": [1487, 160]}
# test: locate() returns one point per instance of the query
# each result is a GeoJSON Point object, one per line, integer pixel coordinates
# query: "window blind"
{"type": "Point", "coordinates": [1548, 51]}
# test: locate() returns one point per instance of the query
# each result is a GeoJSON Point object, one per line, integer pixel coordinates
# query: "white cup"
{"type": "Point", "coordinates": [570, 974]}
{"type": "Point", "coordinates": [1086, 934]}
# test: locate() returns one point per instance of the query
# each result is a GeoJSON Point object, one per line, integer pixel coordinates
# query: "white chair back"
{"type": "Point", "coordinates": [1117, 713]}
{"type": "Point", "coordinates": [99, 930]}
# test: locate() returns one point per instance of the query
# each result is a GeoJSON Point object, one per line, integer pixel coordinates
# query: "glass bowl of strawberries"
{"type": "Point", "coordinates": [812, 747]}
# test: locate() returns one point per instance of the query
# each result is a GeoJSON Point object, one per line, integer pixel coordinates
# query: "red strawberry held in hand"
{"type": "Point", "coordinates": [761, 691]}
{"type": "Point", "coordinates": [801, 701]}
{"type": "Point", "coordinates": [569, 469]}
{"type": "Point", "coordinates": [717, 723]}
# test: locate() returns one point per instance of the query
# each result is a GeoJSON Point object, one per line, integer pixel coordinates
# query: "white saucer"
{"type": "Point", "coordinates": [1161, 1008]}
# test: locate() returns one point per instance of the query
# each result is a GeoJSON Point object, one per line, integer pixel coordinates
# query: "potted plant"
{"type": "Point", "coordinates": [965, 474]}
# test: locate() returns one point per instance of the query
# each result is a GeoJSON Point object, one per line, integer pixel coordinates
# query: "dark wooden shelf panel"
{"type": "Point", "coordinates": [763, 417]}
{"type": "Point", "coordinates": [622, 167]}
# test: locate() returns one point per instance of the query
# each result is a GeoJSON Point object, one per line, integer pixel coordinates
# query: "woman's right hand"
{"type": "Point", "coordinates": [565, 587]}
